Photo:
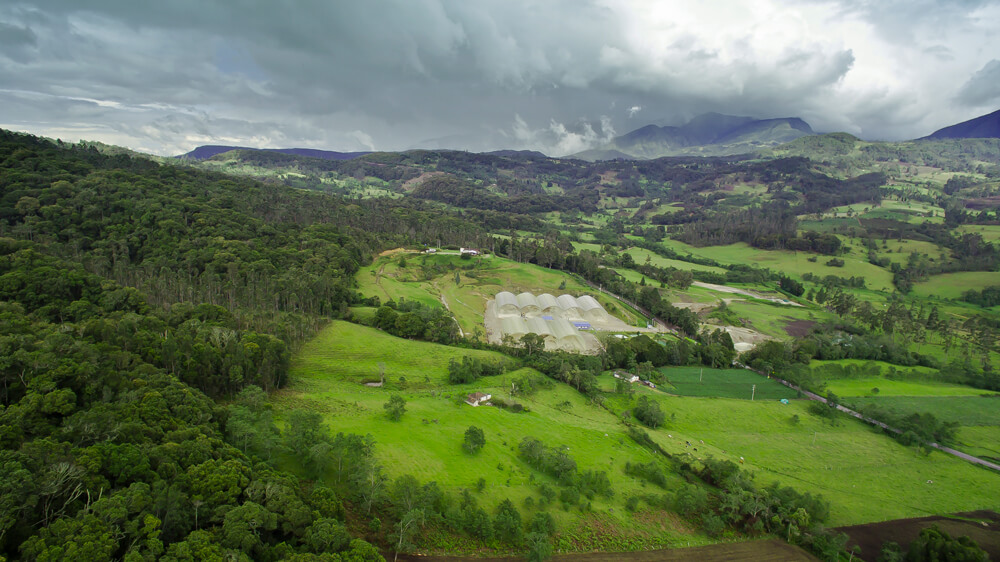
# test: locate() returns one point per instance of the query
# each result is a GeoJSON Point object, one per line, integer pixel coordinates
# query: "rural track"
{"type": "Point", "coordinates": [872, 421]}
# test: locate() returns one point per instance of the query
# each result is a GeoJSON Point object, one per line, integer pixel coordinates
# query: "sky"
{"type": "Point", "coordinates": [559, 76]}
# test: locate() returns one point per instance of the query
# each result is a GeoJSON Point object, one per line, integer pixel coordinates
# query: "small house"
{"type": "Point", "coordinates": [469, 251]}
{"type": "Point", "coordinates": [633, 378]}
{"type": "Point", "coordinates": [477, 399]}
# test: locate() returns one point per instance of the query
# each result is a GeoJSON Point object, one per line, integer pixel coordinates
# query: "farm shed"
{"type": "Point", "coordinates": [477, 398]}
{"type": "Point", "coordinates": [506, 304]}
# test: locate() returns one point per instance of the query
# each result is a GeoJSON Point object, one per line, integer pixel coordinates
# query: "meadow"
{"type": "Point", "coordinates": [426, 443]}
{"type": "Point", "coordinates": [865, 475]}
{"type": "Point", "coordinates": [952, 285]}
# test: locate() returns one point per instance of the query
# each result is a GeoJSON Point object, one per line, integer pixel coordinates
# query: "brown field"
{"type": "Point", "coordinates": [981, 526]}
{"type": "Point", "coordinates": [773, 550]}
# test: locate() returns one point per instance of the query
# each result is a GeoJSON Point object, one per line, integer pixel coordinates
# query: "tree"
{"type": "Point", "coordinates": [934, 544]}
{"type": "Point", "coordinates": [474, 439]}
{"type": "Point", "coordinates": [648, 412]}
{"type": "Point", "coordinates": [410, 522]}
{"type": "Point", "coordinates": [507, 522]}
{"type": "Point", "coordinates": [395, 407]}
{"type": "Point", "coordinates": [539, 547]}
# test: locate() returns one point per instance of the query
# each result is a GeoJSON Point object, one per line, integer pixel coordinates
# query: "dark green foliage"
{"type": "Point", "coordinates": [790, 285]}
{"type": "Point", "coordinates": [647, 471]}
{"type": "Point", "coordinates": [986, 298]}
{"type": "Point", "coordinates": [395, 407]}
{"type": "Point", "coordinates": [474, 439]}
{"type": "Point", "coordinates": [648, 412]}
{"type": "Point", "coordinates": [470, 368]}
{"type": "Point", "coordinates": [507, 523]}
{"type": "Point", "coordinates": [539, 547]}
{"type": "Point", "coordinates": [542, 523]}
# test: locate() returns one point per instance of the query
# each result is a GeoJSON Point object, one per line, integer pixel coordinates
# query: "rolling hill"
{"type": "Point", "coordinates": [207, 151]}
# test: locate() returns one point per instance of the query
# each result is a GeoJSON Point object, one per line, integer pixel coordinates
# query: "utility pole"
{"type": "Point", "coordinates": [753, 391]}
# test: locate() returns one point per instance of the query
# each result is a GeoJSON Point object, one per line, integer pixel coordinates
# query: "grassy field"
{"type": "Point", "coordinates": [866, 476]}
{"type": "Point", "coordinates": [427, 441]}
{"type": "Point", "coordinates": [966, 410]}
{"type": "Point", "coordinates": [952, 285]}
{"type": "Point", "coordinates": [989, 232]}
{"type": "Point", "coordinates": [723, 383]}
{"type": "Point", "coordinates": [790, 263]}
{"type": "Point", "coordinates": [771, 319]}
{"type": "Point", "coordinates": [640, 255]}
{"type": "Point", "coordinates": [890, 387]}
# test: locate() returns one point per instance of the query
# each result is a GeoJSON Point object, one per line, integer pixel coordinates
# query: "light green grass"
{"type": "Point", "coordinates": [989, 232]}
{"type": "Point", "coordinates": [952, 285]}
{"type": "Point", "coordinates": [427, 441]}
{"type": "Point", "coordinates": [964, 410]}
{"type": "Point", "coordinates": [790, 263]}
{"type": "Point", "coordinates": [640, 255]}
{"type": "Point", "coordinates": [889, 387]}
{"type": "Point", "coordinates": [723, 383]}
{"type": "Point", "coordinates": [865, 475]}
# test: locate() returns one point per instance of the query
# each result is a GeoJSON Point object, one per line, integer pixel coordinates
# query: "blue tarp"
{"type": "Point", "coordinates": [582, 325]}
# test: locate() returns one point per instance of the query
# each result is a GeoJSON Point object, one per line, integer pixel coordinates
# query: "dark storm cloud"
{"type": "Point", "coordinates": [984, 86]}
{"type": "Point", "coordinates": [556, 76]}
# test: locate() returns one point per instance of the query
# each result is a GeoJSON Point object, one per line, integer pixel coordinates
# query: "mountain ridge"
{"type": "Point", "coordinates": [982, 127]}
{"type": "Point", "coordinates": [207, 151]}
{"type": "Point", "coordinates": [708, 134]}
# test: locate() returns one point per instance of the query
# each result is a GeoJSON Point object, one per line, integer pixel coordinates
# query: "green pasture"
{"type": "Point", "coordinates": [899, 251]}
{"type": "Point", "coordinates": [772, 319]}
{"type": "Point", "coordinates": [891, 387]}
{"type": "Point", "coordinates": [952, 285]}
{"type": "Point", "coordinates": [790, 263]}
{"type": "Point", "coordinates": [964, 410]}
{"type": "Point", "coordinates": [723, 383]}
{"type": "Point", "coordinates": [865, 475]}
{"type": "Point", "coordinates": [426, 442]}
{"type": "Point", "coordinates": [989, 232]}
{"type": "Point", "coordinates": [640, 255]}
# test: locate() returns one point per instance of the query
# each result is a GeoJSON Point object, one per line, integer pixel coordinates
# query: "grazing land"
{"type": "Point", "coordinates": [723, 383]}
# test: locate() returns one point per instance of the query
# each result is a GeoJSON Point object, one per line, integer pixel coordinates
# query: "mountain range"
{"type": "Point", "coordinates": [709, 134]}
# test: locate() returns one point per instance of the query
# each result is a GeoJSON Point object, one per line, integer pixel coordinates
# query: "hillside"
{"type": "Point", "coordinates": [710, 134]}
{"type": "Point", "coordinates": [985, 126]}
{"type": "Point", "coordinates": [208, 151]}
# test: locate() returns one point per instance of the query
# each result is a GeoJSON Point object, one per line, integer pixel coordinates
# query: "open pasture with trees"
{"type": "Point", "coordinates": [953, 285]}
{"type": "Point", "coordinates": [723, 383]}
{"type": "Point", "coordinates": [865, 475]}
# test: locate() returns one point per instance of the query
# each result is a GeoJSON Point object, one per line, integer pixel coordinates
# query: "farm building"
{"type": "Point", "coordinates": [477, 398]}
{"type": "Point", "coordinates": [506, 304]}
{"type": "Point", "coordinates": [514, 326]}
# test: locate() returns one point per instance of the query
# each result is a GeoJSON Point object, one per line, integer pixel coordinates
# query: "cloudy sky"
{"type": "Point", "coordinates": [558, 76]}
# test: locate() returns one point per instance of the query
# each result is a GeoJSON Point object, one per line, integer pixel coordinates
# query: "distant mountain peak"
{"type": "Point", "coordinates": [982, 127]}
{"type": "Point", "coordinates": [708, 134]}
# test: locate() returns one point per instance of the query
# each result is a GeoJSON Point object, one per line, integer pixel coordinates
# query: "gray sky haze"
{"type": "Point", "coordinates": [558, 76]}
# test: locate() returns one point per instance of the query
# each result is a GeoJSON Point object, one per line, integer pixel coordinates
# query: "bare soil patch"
{"type": "Point", "coordinates": [981, 526]}
{"type": "Point", "coordinates": [773, 550]}
{"type": "Point", "coordinates": [799, 328]}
